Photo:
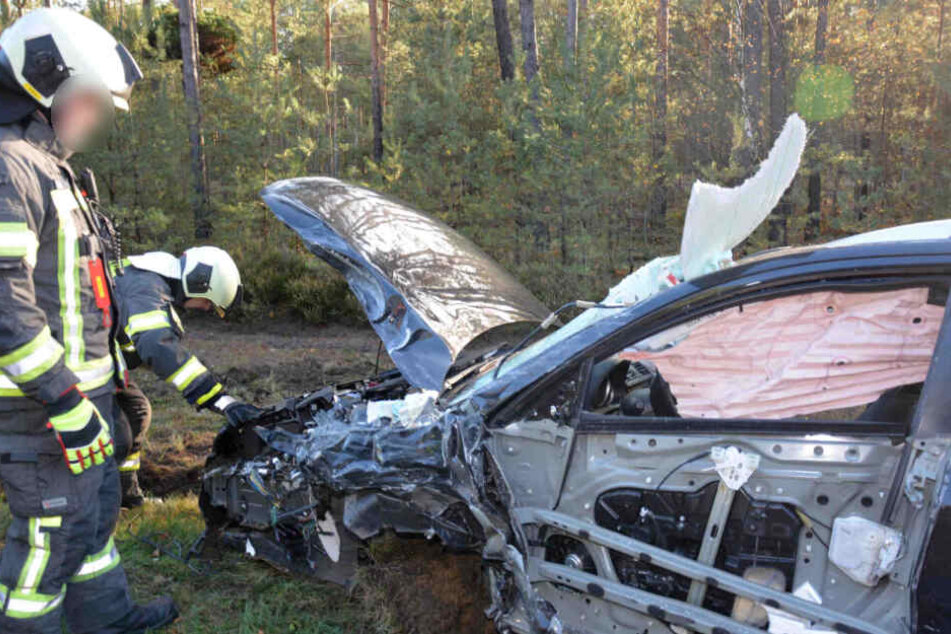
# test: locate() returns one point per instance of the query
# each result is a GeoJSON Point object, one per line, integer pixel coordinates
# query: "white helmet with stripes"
{"type": "Point", "coordinates": [209, 272]}
{"type": "Point", "coordinates": [47, 46]}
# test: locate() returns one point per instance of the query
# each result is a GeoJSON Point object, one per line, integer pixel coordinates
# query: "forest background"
{"type": "Point", "coordinates": [561, 135]}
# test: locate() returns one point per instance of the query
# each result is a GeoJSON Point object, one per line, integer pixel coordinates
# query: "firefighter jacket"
{"type": "Point", "coordinates": [150, 333]}
{"type": "Point", "coordinates": [55, 305]}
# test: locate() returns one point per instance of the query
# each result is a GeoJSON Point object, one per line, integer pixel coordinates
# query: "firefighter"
{"type": "Point", "coordinates": [61, 77]}
{"type": "Point", "coordinates": [149, 288]}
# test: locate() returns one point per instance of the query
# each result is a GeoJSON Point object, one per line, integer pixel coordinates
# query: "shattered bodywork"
{"type": "Point", "coordinates": [713, 452]}
{"type": "Point", "coordinates": [428, 291]}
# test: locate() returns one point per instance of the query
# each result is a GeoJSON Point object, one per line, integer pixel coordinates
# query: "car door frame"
{"type": "Point", "coordinates": [684, 306]}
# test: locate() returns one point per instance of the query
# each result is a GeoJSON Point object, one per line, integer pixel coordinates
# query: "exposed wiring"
{"type": "Point", "coordinates": [548, 321]}
{"type": "Point", "coordinates": [809, 523]}
{"type": "Point", "coordinates": [174, 549]}
{"type": "Point", "coordinates": [379, 351]}
{"type": "Point", "coordinates": [679, 467]}
{"type": "Point", "coordinates": [807, 520]}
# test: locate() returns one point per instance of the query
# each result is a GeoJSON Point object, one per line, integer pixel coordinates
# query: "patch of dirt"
{"type": "Point", "coordinates": [175, 469]}
{"type": "Point", "coordinates": [424, 589]}
{"type": "Point", "coordinates": [284, 359]}
{"type": "Point", "coordinates": [266, 382]}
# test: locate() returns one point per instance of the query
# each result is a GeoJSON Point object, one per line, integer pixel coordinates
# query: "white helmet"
{"type": "Point", "coordinates": [46, 46]}
{"type": "Point", "coordinates": [209, 272]}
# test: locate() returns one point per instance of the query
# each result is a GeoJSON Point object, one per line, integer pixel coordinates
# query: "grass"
{"type": "Point", "coordinates": [232, 594]}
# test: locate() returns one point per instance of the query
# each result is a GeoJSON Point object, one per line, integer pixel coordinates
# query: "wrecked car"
{"type": "Point", "coordinates": [716, 447]}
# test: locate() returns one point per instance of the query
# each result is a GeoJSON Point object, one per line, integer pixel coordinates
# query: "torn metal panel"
{"type": "Point", "coordinates": [427, 290]}
{"type": "Point", "coordinates": [532, 456]}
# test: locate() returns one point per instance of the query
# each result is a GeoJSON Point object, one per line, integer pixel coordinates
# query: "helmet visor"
{"type": "Point", "coordinates": [235, 303]}
{"type": "Point", "coordinates": [130, 69]}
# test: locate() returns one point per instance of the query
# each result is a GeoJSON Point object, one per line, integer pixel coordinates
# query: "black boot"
{"type": "Point", "coordinates": [132, 496]}
{"type": "Point", "coordinates": [156, 615]}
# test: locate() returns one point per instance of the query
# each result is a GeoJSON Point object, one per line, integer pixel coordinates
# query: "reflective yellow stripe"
{"type": "Point", "coordinates": [184, 376]}
{"type": "Point", "coordinates": [33, 91]}
{"type": "Point", "coordinates": [114, 268]}
{"type": "Point", "coordinates": [24, 601]}
{"type": "Point", "coordinates": [132, 462]}
{"type": "Point", "coordinates": [32, 359]}
{"type": "Point", "coordinates": [127, 347]}
{"type": "Point", "coordinates": [151, 320]}
{"type": "Point", "coordinates": [23, 605]}
{"type": "Point", "coordinates": [18, 241]}
{"type": "Point", "coordinates": [91, 374]}
{"type": "Point", "coordinates": [98, 564]}
{"type": "Point", "coordinates": [75, 419]}
{"type": "Point", "coordinates": [208, 395]}
{"type": "Point", "coordinates": [39, 555]}
{"type": "Point", "coordinates": [94, 374]}
{"type": "Point", "coordinates": [68, 272]}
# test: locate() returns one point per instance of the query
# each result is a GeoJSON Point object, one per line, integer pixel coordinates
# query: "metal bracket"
{"type": "Point", "coordinates": [642, 551]}
{"type": "Point", "coordinates": [924, 468]}
{"type": "Point", "coordinates": [713, 535]}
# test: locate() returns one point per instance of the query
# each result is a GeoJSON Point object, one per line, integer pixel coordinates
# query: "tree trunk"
{"type": "Point", "coordinates": [375, 85]}
{"type": "Point", "coordinates": [188, 32]}
{"type": "Point", "coordinates": [328, 37]}
{"type": "Point", "coordinates": [571, 34]}
{"type": "Point", "coordinates": [658, 205]}
{"type": "Point", "coordinates": [526, 11]}
{"type": "Point", "coordinates": [751, 81]}
{"type": "Point", "coordinates": [331, 124]}
{"type": "Point", "coordinates": [940, 27]}
{"type": "Point", "coordinates": [273, 27]}
{"type": "Point", "coordinates": [777, 66]}
{"type": "Point", "coordinates": [776, 15]}
{"type": "Point", "coordinates": [814, 208]}
{"type": "Point", "coordinates": [384, 35]}
{"type": "Point", "coordinates": [582, 16]}
{"type": "Point", "coordinates": [503, 39]}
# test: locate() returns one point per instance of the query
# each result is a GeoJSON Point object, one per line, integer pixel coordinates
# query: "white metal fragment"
{"type": "Point", "coordinates": [782, 622]}
{"type": "Point", "coordinates": [864, 550]}
{"type": "Point", "coordinates": [329, 538]}
{"type": "Point", "coordinates": [383, 409]}
{"type": "Point", "coordinates": [405, 410]}
{"type": "Point", "coordinates": [733, 465]}
{"type": "Point", "coordinates": [414, 404]}
{"type": "Point", "coordinates": [719, 218]}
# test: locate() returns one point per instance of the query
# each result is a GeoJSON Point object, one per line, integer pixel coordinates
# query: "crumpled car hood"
{"type": "Point", "coordinates": [427, 290]}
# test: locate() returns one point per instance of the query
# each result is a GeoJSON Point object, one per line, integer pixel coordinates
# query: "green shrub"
{"type": "Point", "coordinates": [281, 277]}
{"type": "Point", "coordinates": [217, 38]}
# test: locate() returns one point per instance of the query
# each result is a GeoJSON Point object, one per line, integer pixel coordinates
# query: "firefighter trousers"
{"type": "Point", "coordinates": [132, 424]}
{"type": "Point", "coordinates": [60, 559]}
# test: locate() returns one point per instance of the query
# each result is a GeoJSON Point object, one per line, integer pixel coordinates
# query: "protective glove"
{"type": "Point", "coordinates": [238, 414]}
{"type": "Point", "coordinates": [81, 431]}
